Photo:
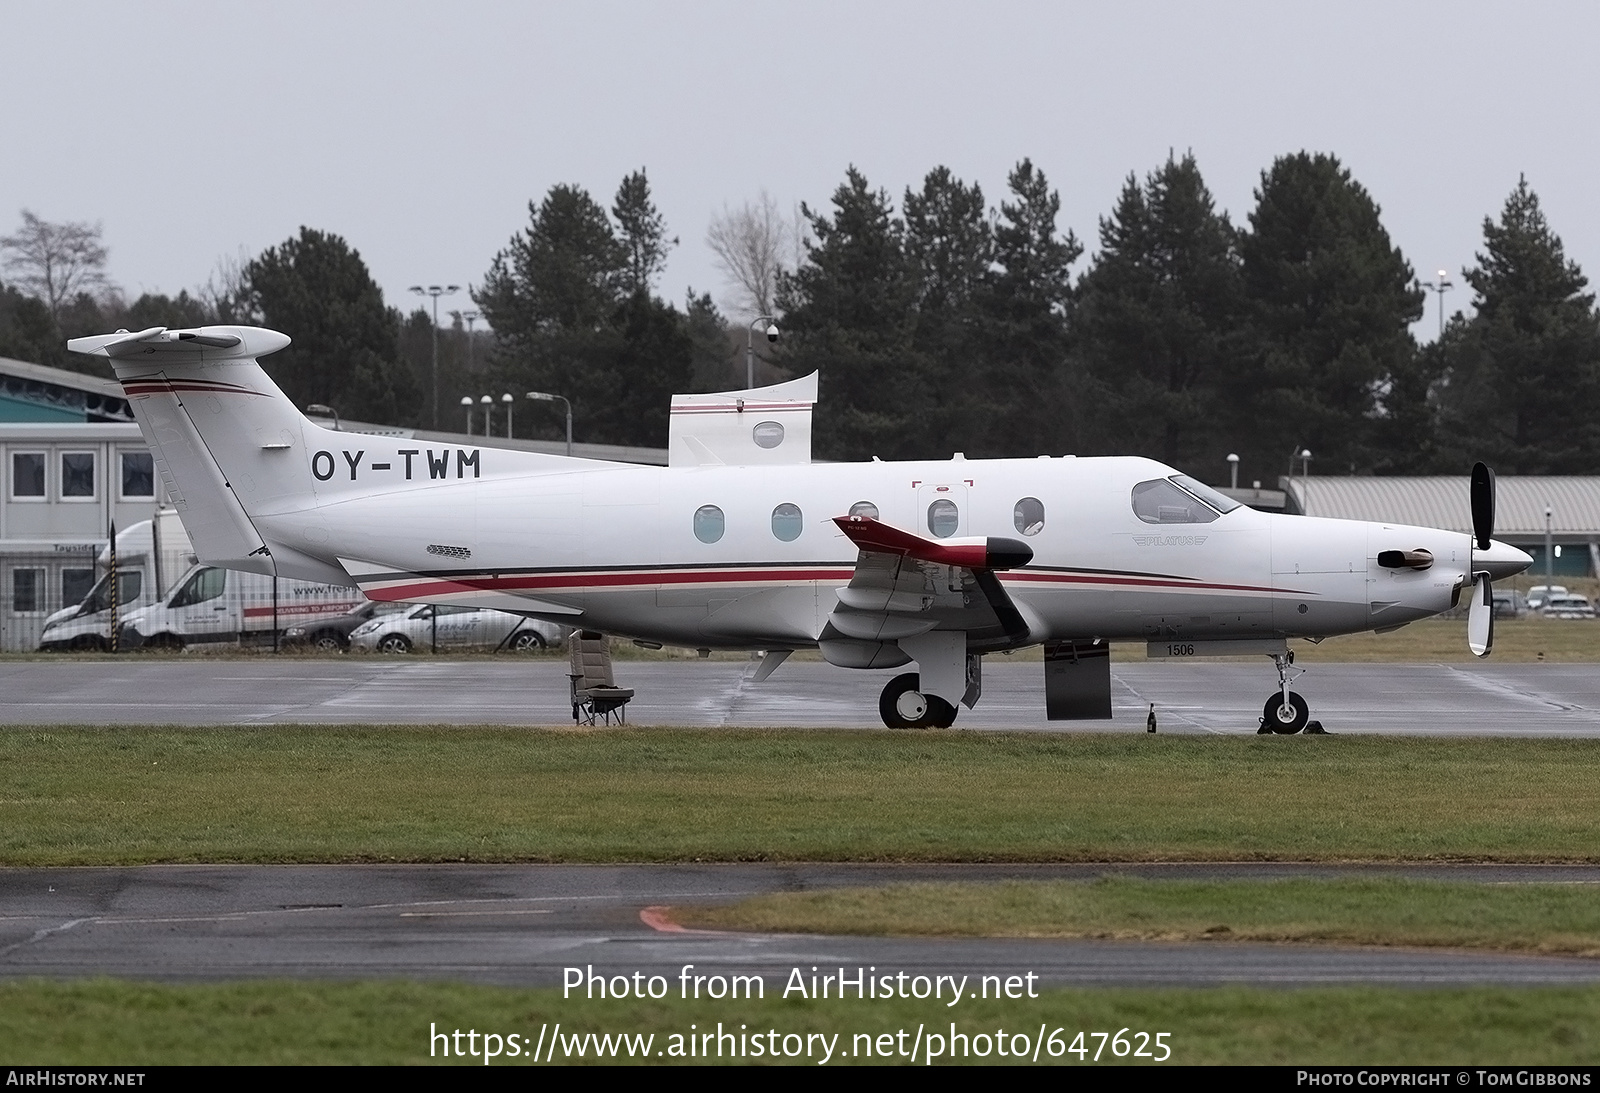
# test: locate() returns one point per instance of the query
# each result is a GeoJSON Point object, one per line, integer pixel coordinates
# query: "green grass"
{"type": "Point", "coordinates": [105, 1022]}
{"type": "Point", "coordinates": [1542, 918]}
{"type": "Point", "coordinates": [298, 794]}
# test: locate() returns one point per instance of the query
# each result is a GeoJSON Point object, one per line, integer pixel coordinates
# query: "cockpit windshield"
{"type": "Point", "coordinates": [1162, 501]}
{"type": "Point", "coordinates": [1216, 499]}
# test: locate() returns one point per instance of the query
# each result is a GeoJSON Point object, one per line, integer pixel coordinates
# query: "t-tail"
{"type": "Point", "coordinates": [228, 442]}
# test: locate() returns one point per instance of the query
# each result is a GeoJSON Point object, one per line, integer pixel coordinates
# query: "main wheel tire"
{"type": "Point", "coordinates": [1286, 720]}
{"type": "Point", "coordinates": [524, 641]}
{"type": "Point", "coordinates": [394, 643]}
{"type": "Point", "coordinates": [903, 706]}
{"type": "Point", "coordinates": [327, 641]}
{"type": "Point", "coordinates": [890, 705]}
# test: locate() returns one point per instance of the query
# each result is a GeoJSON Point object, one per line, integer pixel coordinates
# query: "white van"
{"type": "Point", "coordinates": [209, 606]}
{"type": "Point", "coordinates": [151, 556]}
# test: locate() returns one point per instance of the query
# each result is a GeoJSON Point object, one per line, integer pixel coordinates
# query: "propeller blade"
{"type": "Point", "coordinates": [1482, 504]}
{"type": "Point", "coordinates": [1480, 616]}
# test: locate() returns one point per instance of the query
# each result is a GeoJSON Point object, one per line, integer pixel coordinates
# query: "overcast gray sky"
{"type": "Point", "coordinates": [420, 132]}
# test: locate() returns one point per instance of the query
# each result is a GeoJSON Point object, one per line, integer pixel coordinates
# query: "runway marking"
{"type": "Point", "coordinates": [40, 935]}
{"type": "Point", "coordinates": [464, 914]}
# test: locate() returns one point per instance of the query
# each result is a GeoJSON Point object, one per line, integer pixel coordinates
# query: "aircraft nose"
{"type": "Point", "coordinates": [1501, 560]}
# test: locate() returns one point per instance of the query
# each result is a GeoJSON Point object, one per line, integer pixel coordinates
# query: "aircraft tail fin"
{"type": "Point", "coordinates": [228, 443]}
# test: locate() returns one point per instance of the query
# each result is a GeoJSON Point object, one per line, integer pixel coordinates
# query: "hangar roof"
{"type": "Point", "coordinates": [1443, 501]}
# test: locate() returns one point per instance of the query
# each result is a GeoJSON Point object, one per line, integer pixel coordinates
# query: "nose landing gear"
{"type": "Point", "coordinates": [1286, 712]}
{"type": "Point", "coordinates": [903, 706]}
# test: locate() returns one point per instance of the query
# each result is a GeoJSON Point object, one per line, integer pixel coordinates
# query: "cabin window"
{"type": "Point", "coordinates": [75, 585]}
{"type": "Point", "coordinates": [943, 518]}
{"type": "Point", "coordinates": [27, 474]}
{"type": "Point", "coordinates": [768, 434]}
{"type": "Point", "coordinates": [204, 585]}
{"type": "Point", "coordinates": [1028, 516]}
{"type": "Point", "coordinates": [138, 475]}
{"type": "Point", "coordinates": [709, 523]}
{"type": "Point", "coordinates": [77, 475]}
{"type": "Point", "coordinates": [27, 591]}
{"type": "Point", "coordinates": [864, 508]}
{"type": "Point", "coordinates": [787, 523]}
{"type": "Point", "coordinates": [1160, 502]}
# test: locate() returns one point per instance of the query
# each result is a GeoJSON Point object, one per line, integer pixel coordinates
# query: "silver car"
{"type": "Point", "coordinates": [453, 628]}
{"type": "Point", "coordinates": [1567, 606]}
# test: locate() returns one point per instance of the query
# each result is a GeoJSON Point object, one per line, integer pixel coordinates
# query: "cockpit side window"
{"type": "Point", "coordinates": [1159, 501]}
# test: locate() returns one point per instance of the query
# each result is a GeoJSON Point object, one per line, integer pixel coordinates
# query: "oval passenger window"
{"type": "Point", "coordinates": [708, 523]}
{"type": "Point", "coordinates": [768, 434]}
{"type": "Point", "coordinates": [787, 523]}
{"type": "Point", "coordinates": [864, 508]}
{"type": "Point", "coordinates": [943, 518]}
{"type": "Point", "coordinates": [1028, 516]}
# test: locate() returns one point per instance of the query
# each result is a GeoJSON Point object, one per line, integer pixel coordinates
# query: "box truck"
{"type": "Point", "coordinates": [150, 556]}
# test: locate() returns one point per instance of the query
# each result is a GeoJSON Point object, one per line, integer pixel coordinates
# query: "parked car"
{"type": "Point", "coordinates": [332, 634]}
{"type": "Point", "coordinates": [1539, 593]}
{"type": "Point", "coordinates": [1567, 607]}
{"type": "Point", "coordinates": [1510, 604]}
{"type": "Point", "coordinates": [457, 628]}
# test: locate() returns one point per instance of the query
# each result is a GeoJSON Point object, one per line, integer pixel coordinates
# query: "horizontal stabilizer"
{"type": "Point", "coordinates": [974, 552]}
{"type": "Point", "coordinates": [161, 345]}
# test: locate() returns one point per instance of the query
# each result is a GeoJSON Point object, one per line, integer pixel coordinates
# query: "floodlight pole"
{"type": "Point", "coordinates": [750, 347]}
{"type": "Point", "coordinates": [1441, 286]}
{"type": "Point", "coordinates": [540, 396]}
{"type": "Point", "coordinates": [435, 291]}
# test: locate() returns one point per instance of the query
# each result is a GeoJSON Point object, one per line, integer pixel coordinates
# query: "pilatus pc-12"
{"type": "Point", "coordinates": [742, 542]}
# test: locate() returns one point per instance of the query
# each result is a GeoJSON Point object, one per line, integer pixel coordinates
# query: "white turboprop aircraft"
{"type": "Point", "coordinates": [743, 543]}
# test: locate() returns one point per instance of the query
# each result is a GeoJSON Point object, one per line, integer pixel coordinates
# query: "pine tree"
{"type": "Point", "coordinates": [848, 311]}
{"type": "Point", "coordinates": [1157, 318]}
{"type": "Point", "coordinates": [643, 234]}
{"type": "Point", "coordinates": [1523, 382]}
{"type": "Point", "coordinates": [315, 288]}
{"type": "Point", "coordinates": [1028, 372]}
{"type": "Point", "coordinates": [1330, 306]}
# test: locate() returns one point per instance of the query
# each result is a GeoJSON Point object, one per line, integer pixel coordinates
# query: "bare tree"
{"type": "Point", "coordinates": [56, 262]}
{"type": "Point", "coordinates": [226, 292]}
{"type": "Point", "coordinates": [753, 244]}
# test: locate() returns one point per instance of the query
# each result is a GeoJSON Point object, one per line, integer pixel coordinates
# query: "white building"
{"type": "Point", "coordinates": [62, 485]}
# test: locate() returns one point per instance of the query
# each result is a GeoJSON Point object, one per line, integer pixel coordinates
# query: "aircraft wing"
{"type": "Point", "coordinates": [905, 585]}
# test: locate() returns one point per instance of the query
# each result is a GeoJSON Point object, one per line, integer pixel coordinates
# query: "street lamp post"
{"type": "Point", "coordinates": [319, 408]}
{"type": "Point", "coordinates": [488, 415]}
{"type": "Point", "coordinates": [1233, 471]}
{"type": "Point", "coordinates": [509, 403]}
{"type": "Point", "coordinates": [750, 347]}
{"type": "Point", "coordinates": [466, 402]}
{"type": "Point", "coordinates": [1441, 286]}
{"type": "Point", "coordinates": [540, 396]}
{"type": "Point", "coordinates": [470, 317]}
{"type": "Point", "coordinates": [1305, 486]}
{"type": "Point", "coordinates": [435, 291]}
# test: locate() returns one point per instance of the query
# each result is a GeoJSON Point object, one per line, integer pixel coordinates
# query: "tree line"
{"type": "Point", "coordinates": [946, 323]}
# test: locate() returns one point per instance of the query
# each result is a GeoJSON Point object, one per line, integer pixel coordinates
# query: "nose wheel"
{"type": "Point", "coordinates": [1285, 713]}
{"type": "Point", "coordinates": [903, 706]}
{"type": "Point", "coordinates": [1285, 716]}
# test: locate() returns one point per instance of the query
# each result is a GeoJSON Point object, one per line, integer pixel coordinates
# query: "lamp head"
{"type": "Point", "coordinates": [772, 332]}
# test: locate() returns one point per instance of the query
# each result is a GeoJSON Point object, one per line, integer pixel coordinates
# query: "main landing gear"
{"type": "Point", "coordinates": [1286, 712]}
{"type": "Point", "coordinates": [904, 707]}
